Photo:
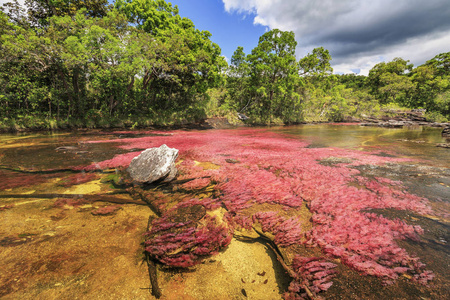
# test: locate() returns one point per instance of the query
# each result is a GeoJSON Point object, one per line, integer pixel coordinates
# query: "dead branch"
{"type": "Point", "coordinates": [91, 198]}
{"type": "Point", "coordinates": [152, 271]}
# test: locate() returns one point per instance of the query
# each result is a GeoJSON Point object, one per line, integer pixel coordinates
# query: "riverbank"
{"type": "Point", "coordinates": [387, 119]}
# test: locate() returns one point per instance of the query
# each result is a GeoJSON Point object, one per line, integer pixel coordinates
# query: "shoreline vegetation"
{"type": "Point", "coordinates": [388, 118]}
{"type": "Point", "coordinates": [139, 64]}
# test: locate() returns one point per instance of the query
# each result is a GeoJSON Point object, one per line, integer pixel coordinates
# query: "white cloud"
{"type": "Point", "coordinates": [358, 33]}
{"type": "Point", "coordinates": [6, 1]}
{"type": "Point", "coordinates": [418, 50]}
{"type": "Point", "coordinates": [226, 58]}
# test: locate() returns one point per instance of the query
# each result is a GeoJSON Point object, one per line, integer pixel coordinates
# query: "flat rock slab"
{"type": "Point", "coordinates": [154, 164]}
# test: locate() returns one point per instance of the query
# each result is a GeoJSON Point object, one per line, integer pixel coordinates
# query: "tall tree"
{"type": "Point", "coordinates": [316, 63]}
{"type": "Point", "coordinates": [273, 71]}
{"type": "Point", "coordinates": [238, 81]}
{"type": "Point", "coordinates": [441, 63]}
{"type": "Point", "coordinates": [187, 62]}
{"type": "Point", "coordinates": [388, 82]}
{"type": "Point", "coordinates": [38, 12]}
{"type": "Point", "coordinates": [151, 16]}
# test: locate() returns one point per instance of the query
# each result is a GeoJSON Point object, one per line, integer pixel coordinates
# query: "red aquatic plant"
{"type": "Point", "coordinates": [185, 244]}
{"type": "Point", "coordinates": [69, 202]}
{"type": "Point", "coordinates": [75, 179]}
{"type": "Point", "coordinates": [14, 179]}
{"type": "Point", "coordinates": [120, 160]}
{"type": "Point", "coordinates": [208, 203]}
{"type": "Point", "coordinates": [239, 221]}
{"type": "Point", "coordinates": [287, 231]}
{"type": "Point", "coordinates": [197, 184]}
{"type": "Point", "coordinates": [7, 206]}
{"type": "Point", "coordinates": [312, 273]}
{"type": "Point", "coordinates": [106, 210]}
{"type": "Point", "coordinates": [259, 167]}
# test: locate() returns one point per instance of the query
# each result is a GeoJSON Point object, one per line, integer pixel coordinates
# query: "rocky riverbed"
{"type": "Point", "coordinates": [76, 230]}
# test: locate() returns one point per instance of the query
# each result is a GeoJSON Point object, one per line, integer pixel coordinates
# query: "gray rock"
{"type": "Point", "coordinates": [242, 117]}
{"type": "Point", "coordinates": [446, 131]}
{"type": "Point", "coordinates": [154, 164]}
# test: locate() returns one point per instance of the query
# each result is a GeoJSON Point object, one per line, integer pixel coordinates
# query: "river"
{"type": "Point", "coordinates": [366, 206]}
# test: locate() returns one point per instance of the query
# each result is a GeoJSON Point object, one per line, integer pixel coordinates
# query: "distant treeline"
{"type": "Point", "coordinates": [90, 64]}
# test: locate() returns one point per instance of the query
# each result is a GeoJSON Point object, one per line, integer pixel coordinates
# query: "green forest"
{"type": "Point", "coordinates": [137, 63]}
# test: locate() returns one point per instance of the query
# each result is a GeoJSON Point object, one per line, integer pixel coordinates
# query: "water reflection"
{"type": "Point", "coordinates": [415, 142]}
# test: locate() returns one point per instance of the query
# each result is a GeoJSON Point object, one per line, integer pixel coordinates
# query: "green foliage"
{"type": "Point", "coordinates": [423, 87]}
{"type": "Point", "coordinates": [66, 64]}
{"type": "Point", "coordinates": [388, 83]}
{"type": "Point", "coordinates": [270, 73]}
{"type": "Point", "coordinates": [152, 16]}
{"type": "Point", "coordinates": [317, 63]}
{"type": "Point", "coordinates": [84, 58]}
{"type": "Point", "coordinates": [434, 116]}
{"type": "Point", "coordinates": [441, 63]}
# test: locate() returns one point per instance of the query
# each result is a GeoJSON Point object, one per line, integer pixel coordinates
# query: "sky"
{"type": "Point", "coordinates": [358, 33]}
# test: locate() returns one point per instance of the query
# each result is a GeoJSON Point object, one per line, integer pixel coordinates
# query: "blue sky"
{"type": "Point", "coordinates": [229, 30]}
{"type": "Point", "coordinates": [358, 33]}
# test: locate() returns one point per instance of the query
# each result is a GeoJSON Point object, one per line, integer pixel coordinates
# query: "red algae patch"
{"type": "Point", "coordinates": [7, 206]}
{"type": "Point", "coordinates": [106, 210]}
{"type": "Point", "coordinates": [77, 179]}
{"type": "Point", "coordinates": [273, 169]}
{"type": "Point", "coordinates": [69, 203]}
{"type": "Point", "coordinates": [14, 179]}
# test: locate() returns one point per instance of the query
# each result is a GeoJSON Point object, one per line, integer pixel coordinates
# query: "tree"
{"type": "Point", "coordinates": [152, 16]}
{"type": "Point", "coordinates": [388, 82]}
{"type": "Point", "coordinates": [24, 67]}
{"type": "Point", "coordinates": [273, 75]}
{"type": "Point", "coordinates": [105, 49]}
{"type": "Point", "coordinates": [187, 63]}
{"type": "Point", "coordinates": [39, 11]}
{"type": "Point", "coordinates": [238, 81]}
{"type": "Point", "coordinates": [317, 63]}
{"type": "Point", "coordinates": [15, 12]}
{"type": "Point", "coordinates": [441, 63]}
{"type": "Point", "coordinates": [395, 88]}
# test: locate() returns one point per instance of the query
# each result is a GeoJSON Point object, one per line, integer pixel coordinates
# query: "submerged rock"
{"type": "Point", "coordinates": [446, 132]}
{"type": "Point", "coordinates": [443, 145]}
{"type": "Point", "coordinates": [154, 164]}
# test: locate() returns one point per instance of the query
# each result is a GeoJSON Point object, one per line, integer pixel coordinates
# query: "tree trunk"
{"type": "Point", "coordinates": [111, 104]}
{"type": "Point", "coordinates": [66, 87]}
{"type": "Point", "coordinates": [130, 86]}
{"type": "Point", "coordinates": [147, 78]}
{"type": "Point", "coordinates": [76, 90]}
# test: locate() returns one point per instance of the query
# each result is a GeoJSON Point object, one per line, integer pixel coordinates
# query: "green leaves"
{"type": "Point", "coordinates": [142, 60]}
{"type": "Point", "coordinates": [317, 63]}
{"type": "Point", "coordinates": [397, 82]}
{"type": "Point", "coordinates": [273, 68]}
{"type": "Point", "coordinates": [441, 63]}
{"type": "Point", "coordinates": [152, 16]}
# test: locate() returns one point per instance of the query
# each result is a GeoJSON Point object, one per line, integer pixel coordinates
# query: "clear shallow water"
{"type": "Point", "coordinates": [426, 174]}
{"type": "Point", "coordinates": [38, 150]}
{"type": "Point", "coordinates": [414, 142]}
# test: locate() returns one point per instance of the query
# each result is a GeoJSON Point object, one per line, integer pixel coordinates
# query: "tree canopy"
{"type": "Point", "coordinates": [89, 63]}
